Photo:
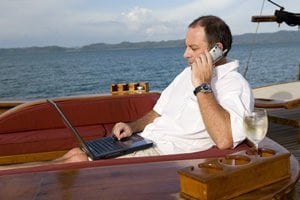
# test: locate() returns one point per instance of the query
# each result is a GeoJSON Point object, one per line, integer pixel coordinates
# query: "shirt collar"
{"type": "Point", "coordinates": [221, 70]}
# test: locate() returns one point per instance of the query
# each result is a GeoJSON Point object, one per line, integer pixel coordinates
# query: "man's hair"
{"type": "Point", "coordinates": [216, 30]}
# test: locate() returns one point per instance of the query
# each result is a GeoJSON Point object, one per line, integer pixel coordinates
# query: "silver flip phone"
{"type": "Point", "coordinates": [216, 53]}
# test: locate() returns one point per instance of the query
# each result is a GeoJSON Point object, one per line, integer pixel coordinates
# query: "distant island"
{"type": "Point", "coordinates": [261, 38]}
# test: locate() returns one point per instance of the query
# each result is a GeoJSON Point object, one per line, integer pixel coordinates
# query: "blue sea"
{"type": "Point", "coordinates": [43, 75]}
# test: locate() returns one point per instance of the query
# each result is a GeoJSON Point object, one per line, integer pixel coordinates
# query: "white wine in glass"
{"type": "Point", "coordinates": [256, 125]}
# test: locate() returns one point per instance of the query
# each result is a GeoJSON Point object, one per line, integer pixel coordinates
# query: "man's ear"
{"type": "Point", "coordinates": [220, 45]}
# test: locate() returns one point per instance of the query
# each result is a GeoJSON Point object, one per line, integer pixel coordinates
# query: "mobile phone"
{"type": "Point", "coordinates": [216, 53]}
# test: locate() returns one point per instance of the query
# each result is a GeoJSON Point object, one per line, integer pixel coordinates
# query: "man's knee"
{"type": "Point", "coordinates": [79, 157]}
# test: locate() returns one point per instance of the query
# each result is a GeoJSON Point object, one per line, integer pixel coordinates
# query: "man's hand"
{"type": "Point", "coordinates": [122, 130]}
{"type": "Point", "coordinates": [202, 69]}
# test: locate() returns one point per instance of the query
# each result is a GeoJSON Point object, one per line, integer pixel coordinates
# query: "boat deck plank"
{"type": "Point", "coordinates": [287, 135]}
{"type": "Point", "coordinates": [285, 116]}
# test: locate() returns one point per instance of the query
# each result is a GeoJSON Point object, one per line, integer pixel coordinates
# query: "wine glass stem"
{"type": "Point", "coordinates": [256, 146]}
{"type": "Point", "coordinates": [256, 149]}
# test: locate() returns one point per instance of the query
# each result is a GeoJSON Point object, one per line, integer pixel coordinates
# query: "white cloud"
{"type": "Point", "coordinates": [158, 30]}
{"type": "Point", "coordinates": [147, 23]}
{"type": "Point", "coordinates": [138, 18]}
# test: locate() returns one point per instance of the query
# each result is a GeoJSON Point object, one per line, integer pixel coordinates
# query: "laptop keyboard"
{"type": "Point", "coordinates": [106, 144]}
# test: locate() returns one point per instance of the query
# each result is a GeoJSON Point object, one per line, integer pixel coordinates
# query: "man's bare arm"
{"type": "Point", "coordinates": [139, 125]}
{"type": "Point", "coordinates": [216, 120]}
{"type": "Point", "coordinates": [122, 130]}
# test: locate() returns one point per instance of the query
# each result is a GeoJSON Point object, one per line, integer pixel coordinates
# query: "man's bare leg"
{"type": "Point", "coordinates": [74, 155]}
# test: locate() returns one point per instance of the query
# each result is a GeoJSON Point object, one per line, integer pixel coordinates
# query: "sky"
{"type": "Point", "coordinates": [75, 23]}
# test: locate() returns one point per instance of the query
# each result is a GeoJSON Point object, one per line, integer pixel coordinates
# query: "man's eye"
{"type": "Point", "coordinates": [192, 48]}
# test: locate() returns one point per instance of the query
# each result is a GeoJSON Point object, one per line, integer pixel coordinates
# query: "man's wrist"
{"type": "Point", "coordinates": [203, 88]}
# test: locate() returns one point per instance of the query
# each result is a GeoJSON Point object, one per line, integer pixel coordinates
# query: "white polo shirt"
{"type": "Point", "coordinates": [180, 129]}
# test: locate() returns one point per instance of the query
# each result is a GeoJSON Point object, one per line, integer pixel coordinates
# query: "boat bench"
{"type": "Point", "coordinates": [33, 131]}
{"type": "Point", "coordinates": [282, 102]}
{"type": "Point", "coordinates": [36, 126]}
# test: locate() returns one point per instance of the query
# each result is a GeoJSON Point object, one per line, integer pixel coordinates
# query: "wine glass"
{"type": "Point", "coordinates": [256, 125]}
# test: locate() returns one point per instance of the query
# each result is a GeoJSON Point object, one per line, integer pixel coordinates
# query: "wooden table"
{"type": "Point", "coordinates": [158, 180]}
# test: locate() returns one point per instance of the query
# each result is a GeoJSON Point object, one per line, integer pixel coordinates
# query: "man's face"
{"type": "Point", "coordinates": [196, 43]}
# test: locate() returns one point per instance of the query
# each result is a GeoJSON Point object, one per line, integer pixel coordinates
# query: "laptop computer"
{"type": "Point", "coordinates": [107, 147]}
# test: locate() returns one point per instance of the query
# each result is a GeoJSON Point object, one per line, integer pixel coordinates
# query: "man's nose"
{"type": "Point", "coordinates": [187, 53]}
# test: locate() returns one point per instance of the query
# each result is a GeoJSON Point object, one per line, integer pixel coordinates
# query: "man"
{"type": "Point", "coordinates": [201, 108]}
{"type": "Point", "coordinates": [204, 105]}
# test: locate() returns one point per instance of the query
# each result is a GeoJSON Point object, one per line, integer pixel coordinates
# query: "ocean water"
{"type": "Point", "coordinates": [43, 75]}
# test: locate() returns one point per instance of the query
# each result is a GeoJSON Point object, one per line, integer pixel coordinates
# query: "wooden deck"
{"type": "Point", "coordinates": [287, 136]}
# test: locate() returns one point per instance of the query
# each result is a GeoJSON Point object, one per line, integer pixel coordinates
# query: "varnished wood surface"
{"type": "Point", "coordinates": [267, 18]}
{"type": "Point", "coordinates": [6, 105]}
{"type": "Point", "coordinates": [136, 181]}
{"type": "Point", "coordinates": [289, 117]}
{"type": "Point", "coordinates": [31, 157]}
{"type": "Point", "coordinates": [273, 103]}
